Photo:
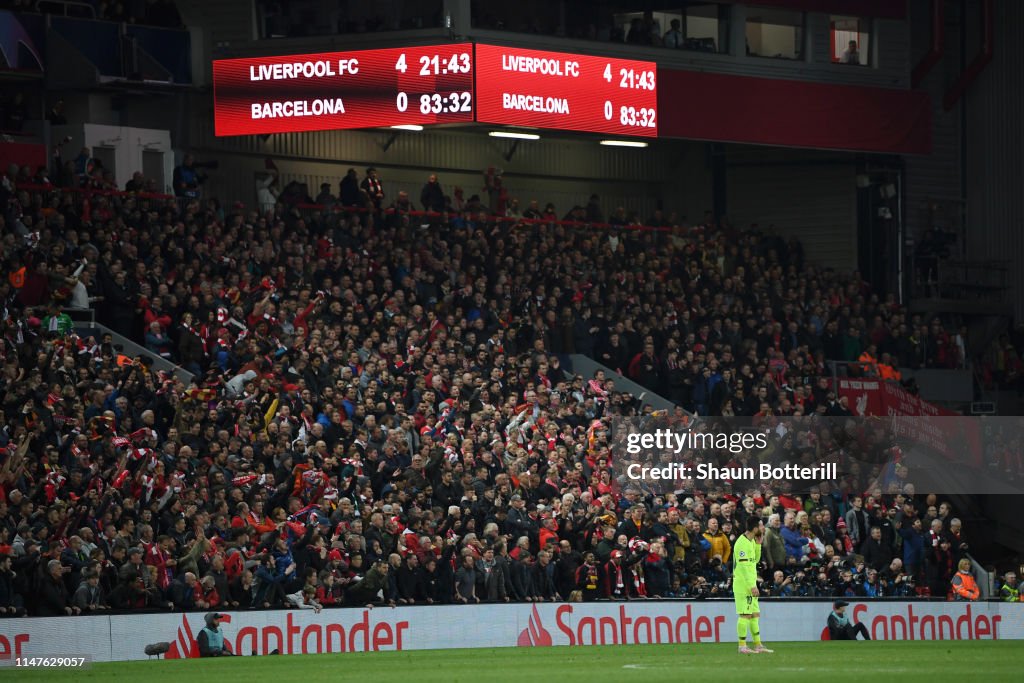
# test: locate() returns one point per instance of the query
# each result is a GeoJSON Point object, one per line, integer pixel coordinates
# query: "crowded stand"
{"type": "Point", "coordinates": [382, 407]}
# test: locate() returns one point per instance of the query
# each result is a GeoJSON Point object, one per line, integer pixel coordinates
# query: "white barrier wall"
{"type": "Point", "coordinates": [123, 637]}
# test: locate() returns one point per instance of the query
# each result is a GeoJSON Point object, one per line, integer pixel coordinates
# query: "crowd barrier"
{"type": "Point", "coordinates": [123, 637]}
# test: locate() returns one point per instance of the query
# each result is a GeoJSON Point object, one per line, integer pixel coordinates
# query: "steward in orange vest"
{"type": "Point", "coordinates": [886, 369]}
{"type": "Point", "coordinates": [964, 585]}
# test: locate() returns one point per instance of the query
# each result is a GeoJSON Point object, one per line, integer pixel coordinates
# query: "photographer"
{"type": "Point", "coordinates": [782, 586]}
{"type": "Point", "coordinates": [896, 581]}
{"type": "Point", "coordinates": [840, 627]}
{"type": "Point", "coordinates": [850, 584]}
{"type": "Point", "coordinates": [873, 587]}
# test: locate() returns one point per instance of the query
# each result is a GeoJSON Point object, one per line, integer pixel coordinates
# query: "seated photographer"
{"type": "Point", "coordinates": [896, 581]}
{"type": "Point", "coordinates": [873, 587]}
{"type": "Point", "coordinates": [850, 585]}
{"type": "Point", "coordinates": [840, 627]}
{"type": "Point", "coordinates": [782, 585]}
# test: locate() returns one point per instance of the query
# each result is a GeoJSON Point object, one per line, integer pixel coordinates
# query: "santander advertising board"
{"type": "Point", "coordinates": [124, 637]}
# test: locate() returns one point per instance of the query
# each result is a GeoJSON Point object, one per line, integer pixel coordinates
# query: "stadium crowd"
{"type": "Point", "coordinates": [379, 410]}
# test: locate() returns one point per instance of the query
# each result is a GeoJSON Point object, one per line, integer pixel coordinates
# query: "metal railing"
{"type": "Point", "coordinates": [82, 10]}
{"type": "Point", "coordinates": [986, 579]}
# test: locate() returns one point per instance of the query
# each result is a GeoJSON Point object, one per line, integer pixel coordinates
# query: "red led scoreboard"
{"type": "Point", "coordinates": [435, 84]}
{"type": "Point", "coordinates": [336, 90]}
{"type": "Point", "coordinates": [565, 91]}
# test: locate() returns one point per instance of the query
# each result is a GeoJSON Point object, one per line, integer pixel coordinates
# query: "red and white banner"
{"type": "Point", "coordinates": [123, 637]}
{"type": "Point", "coordinates": [881, 399]}
{"type": "Point", "coordinates": [917, 421]}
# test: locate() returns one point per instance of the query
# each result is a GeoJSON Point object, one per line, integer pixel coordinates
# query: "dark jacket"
{"type": "Point", "coordinates": [366, 590]}
{"type": "Point", "coordinates": [543, 581]}
{"type": "Point", "coordinates": [432, 197]}
{"type": "Point", "coordinates": [182, 595]}
{"type": "Point", "coordinates": [51, 597]}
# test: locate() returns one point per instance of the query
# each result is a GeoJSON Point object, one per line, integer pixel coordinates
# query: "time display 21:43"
{"type": "Point", "coordinates": [434, 65]}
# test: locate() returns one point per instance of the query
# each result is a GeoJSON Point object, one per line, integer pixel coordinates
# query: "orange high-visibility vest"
{"type": "Point", "coordinates": [966, 588]}
{"type": "Point", "coordinates": [888, 372]}
{"type": "Point", "coordinates": [868, 364]}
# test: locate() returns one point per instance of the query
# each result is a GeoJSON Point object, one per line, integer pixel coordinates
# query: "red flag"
{"type": "Point", "coordinates": [119, 482]}
{"type": "Point", "coordinates": [139, 434]}
{"type": "Point", "coordinates": [244, 479]}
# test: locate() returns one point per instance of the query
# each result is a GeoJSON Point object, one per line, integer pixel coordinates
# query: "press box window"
{"type": "Point", "coordinates": [698, 26]}
{"type": "Point", "coordinates": [851, 40]}
{"type": "Point", "coordinates": [778, 34]}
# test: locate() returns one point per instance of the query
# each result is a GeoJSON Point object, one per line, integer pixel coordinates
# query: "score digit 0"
{"type": "Point", "coordinates": [402, 102]}
{"type": "Point", "coordinates": [607, 110]}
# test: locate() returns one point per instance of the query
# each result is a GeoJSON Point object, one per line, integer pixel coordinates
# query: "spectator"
{"type": "Point", "coordinates": [857, 522]}
{"type": "Point", "coordinates": [158, 342]}
{"type": "Point", "coordinates": [674, 36]}
{"type": "Point", "coordinates": [373, 188]}
{"type": "Point", "coordinates": [794, 541]}
{"type": "Point", "coordinates": [431, 196]}
{"type": "Point", "coordinates": [876, 553]}
{"type": "Point", "coordinates": [774, 545]}
{"type": "Point", "coordinates": [913, 545]}
{"type": "Point", "coordinates": [465, 581]}
{"type": "Point", "coordinates": [12, 604]}
{"type": "Point", "coordinates": [52, 596]}
{"type": "Point", "coordinates": [187, 179]}
{"type": "Point", "coordinates": [851, 55]}
{"type": "Point", "coordinates": [956, 537]}
{"type": "Point", "coordinates": [56, 115]}
{"type": "Point", "coordinates": [89, 596]}
{"type": "Point", "coordinates": [720, 545]}
{"type": "Point", "coordinates": [266, 191]}
{"type": "Point", "coordinates": [185, 592]}
{"type": "Point", "coordinates": [349, 193]}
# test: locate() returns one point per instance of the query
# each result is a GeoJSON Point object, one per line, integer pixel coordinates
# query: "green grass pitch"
{"type": "Point", "coordinates": [902, 661]}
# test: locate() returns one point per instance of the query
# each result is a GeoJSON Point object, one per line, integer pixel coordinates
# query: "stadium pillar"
{"type": "Point", "coordinates": [717, 161]}
{"type": "Point", "coordinates": [457, 12]}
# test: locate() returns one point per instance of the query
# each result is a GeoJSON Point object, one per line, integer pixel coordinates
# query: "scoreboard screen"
{"type": "Point", "coordinates": [435, 84]}
{"type": "Point", "coordinates": [339, 90]}
{"type": "Point", "coordinates": [564, 91]}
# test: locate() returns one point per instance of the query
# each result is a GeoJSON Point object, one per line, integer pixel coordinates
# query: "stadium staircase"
{"type": "Point", "coordinates": [91, 328]}
{"type": "Point", "coordinates": [586, 366]}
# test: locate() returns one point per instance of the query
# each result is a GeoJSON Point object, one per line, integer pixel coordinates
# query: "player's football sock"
{"type": "Point", "coordinates": [755, 631]}
{"type": "Point", "coordinates": [741, 630]}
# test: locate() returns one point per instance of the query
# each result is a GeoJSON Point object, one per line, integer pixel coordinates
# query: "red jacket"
{"type": "Point", "coordinates": [158, 558]}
